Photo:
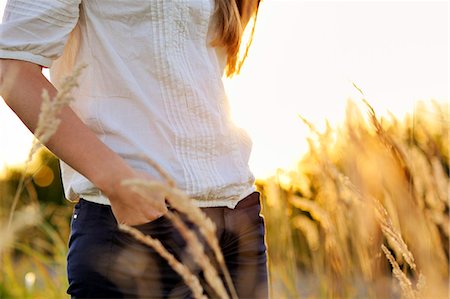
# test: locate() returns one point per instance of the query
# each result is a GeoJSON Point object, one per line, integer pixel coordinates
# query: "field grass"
{"type": "Point", "coordinates": [365, 215]}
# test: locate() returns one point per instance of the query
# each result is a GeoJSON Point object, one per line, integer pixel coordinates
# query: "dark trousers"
{"type": "Point", "coordinates": [104, 262]}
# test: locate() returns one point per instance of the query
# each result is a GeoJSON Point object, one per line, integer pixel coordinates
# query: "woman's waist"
{"type": "Point", "coordinates": [227, 196]}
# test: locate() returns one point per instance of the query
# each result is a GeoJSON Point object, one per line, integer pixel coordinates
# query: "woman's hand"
{"type": "Point", "coordinates": [131, 208]}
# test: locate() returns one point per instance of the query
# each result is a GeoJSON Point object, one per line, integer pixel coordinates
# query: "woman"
{"type": "Point", "coordinates": [152, 89]}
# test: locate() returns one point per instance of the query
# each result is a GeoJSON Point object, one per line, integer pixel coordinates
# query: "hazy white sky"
{"type": "Point", "coordinates": [304, 57]}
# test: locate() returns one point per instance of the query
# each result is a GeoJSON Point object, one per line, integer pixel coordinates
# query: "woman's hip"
{"type": "Point", "coordinates": [105, 262]}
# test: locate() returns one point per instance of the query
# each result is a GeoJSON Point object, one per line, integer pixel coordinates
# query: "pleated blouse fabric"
{"type": "Point", "coordinates": [152, 88]}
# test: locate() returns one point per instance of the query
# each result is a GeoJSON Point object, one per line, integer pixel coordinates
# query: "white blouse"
{"type": "Point", "coordinates": [153, 87]}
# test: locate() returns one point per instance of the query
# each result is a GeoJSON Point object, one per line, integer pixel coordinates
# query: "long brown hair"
{"type": "Point", "coordinates": [231, 17]}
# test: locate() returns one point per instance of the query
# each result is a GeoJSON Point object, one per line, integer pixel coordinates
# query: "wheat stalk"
{"type": "Point", "coordinates": [195, 248]}
{"type": "Point", "coordinates": [190, 279]}
{"type": "Point", "coordinates": [26, 217]}
{"type": "Point", "coordinates": [184, 204]}
{"type": "Point", "coordinates": [48, 123]}
{"type": "Point", "coordinates": [405, 283]}
{"type": "Point", "coordinates": [392, 234]}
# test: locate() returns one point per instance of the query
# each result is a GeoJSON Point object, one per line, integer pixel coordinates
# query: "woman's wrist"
{"type": "Point", "coordinates": [108, 180]}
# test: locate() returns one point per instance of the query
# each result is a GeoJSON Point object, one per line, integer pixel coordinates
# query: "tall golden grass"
{"type": "Point", "coordinates": [365, 215]}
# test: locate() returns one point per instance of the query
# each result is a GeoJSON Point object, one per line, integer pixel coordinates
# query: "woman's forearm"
{"type": "Point", "coordinates": [21, 85]}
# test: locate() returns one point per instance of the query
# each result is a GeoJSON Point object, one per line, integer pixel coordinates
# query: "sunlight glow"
{"type": "Point", "coordinates": [306, 56]}
{"type": "Point", "coordinates": [15, 138]}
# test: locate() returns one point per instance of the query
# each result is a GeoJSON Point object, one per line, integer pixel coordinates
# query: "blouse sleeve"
{"type": "Point", "coordinates": [37, 30]}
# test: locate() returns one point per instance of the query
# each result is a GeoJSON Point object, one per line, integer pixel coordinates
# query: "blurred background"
{"type": "Point", "coordinates": [355, 200]}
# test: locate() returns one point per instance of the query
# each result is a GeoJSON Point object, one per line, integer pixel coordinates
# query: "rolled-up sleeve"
{"type": "Point", "coordinates": [37, 30]}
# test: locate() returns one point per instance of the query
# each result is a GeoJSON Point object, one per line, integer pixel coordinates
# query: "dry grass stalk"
{"type": "Point", "coordinates": [405, 283]}
{"type": "Point", "coordinates": [48, 123]}
{"type": "Point", "coordinates": [29, 216]}
{"type": "Point", "coordinates": [194, 246]}
{"type": "Point", "coordinates": [391, 233]}
{"type": "Point", "coordinates": [392, 146]}
{"type": "Point", "coordinates": [309, 229]}
{"type": "Point", "coordinates": [196, 249]}
{"type": "Point", "coordinates": [190, 279]}
{"type": "Point", "coordinates": [317, 212]}
{"type": "Point", "coordinates": [182, 203]}
{"type": "Point", "coordinates": [442, 184]}
{"type": "Point", "coordinates": [393, 236]}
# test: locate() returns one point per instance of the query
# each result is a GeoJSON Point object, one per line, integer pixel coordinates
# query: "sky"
{"type": "Point", "coordinates": [303, 60]}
